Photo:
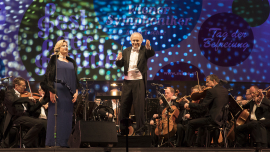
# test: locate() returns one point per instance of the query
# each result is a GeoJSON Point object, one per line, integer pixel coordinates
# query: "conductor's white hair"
{"type": "Point", "coordinates": [136, 33]}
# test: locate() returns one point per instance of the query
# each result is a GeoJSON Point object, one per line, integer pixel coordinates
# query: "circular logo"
{"type": "Point", "coordinates": [225, 39]}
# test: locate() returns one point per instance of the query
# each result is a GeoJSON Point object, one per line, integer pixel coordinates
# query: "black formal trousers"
{"type": "Point", "coordinates": [193, 125]}
{"type": "Point", "coordinates": [133, 92]}
{"type": "Point", "coordinates": [35, 125]}
{"type": "Point", "coordinates": [180, 134]}
{"type": "Point", "coordinates": [256, 130]}
{"type": "Point", "coordinates": [265, 124]}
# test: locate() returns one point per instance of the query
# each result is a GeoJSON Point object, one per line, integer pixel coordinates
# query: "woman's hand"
{"type": "Point", "coordinates": [75, 97]}
{"type": "Point", "coordinates": [46, 106]}
{"type": "Point", "coordinates": [53, 97]}
{"type": "Point", "coordinates": [187, 116]}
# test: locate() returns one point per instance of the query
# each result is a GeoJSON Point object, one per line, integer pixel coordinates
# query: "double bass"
{"type": "Point", "coordinates": [166, 126]}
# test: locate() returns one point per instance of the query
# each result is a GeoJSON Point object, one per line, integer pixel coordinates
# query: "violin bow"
{"type": "Point", "coordinates": [266, 88]}
{"type": "Point", "coordinates": [198, 81]}
{"type": "Point", "coordinates": [30, 88]}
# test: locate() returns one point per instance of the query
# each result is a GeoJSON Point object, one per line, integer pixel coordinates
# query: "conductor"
{"type": "Point", "coordinates": [134, 59]}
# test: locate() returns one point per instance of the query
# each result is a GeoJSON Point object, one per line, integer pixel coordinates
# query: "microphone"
{"type": "Point", "coordinates": [6, 78]}
{"type": "Point", "coordinates": [85, 79]}
{"type": "Point", "coordinates": [156, 84]}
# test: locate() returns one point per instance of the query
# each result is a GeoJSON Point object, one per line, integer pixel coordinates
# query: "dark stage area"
{"type": "Point", "coordinates": [132, 150]}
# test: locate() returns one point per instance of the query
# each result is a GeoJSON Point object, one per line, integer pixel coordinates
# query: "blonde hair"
{"type": "Point", "coordinates": [136, 33]}
{"type": "Point", "coordinates": [196, 87]}
{"type": "Point", "coordinates": [58, 45]}
{"type": "Point", "coordinates": [171, 89]}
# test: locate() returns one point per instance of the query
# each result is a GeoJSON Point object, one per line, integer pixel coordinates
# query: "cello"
{"type": "Point", "coordinates": [166, 126]}
{"type": "Point", "coordinates": [242, 118]}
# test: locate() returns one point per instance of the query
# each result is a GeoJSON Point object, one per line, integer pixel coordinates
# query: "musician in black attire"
{"type": "Point", "coordinates": [215, 99]}
{"type": "Point", "coordinates": [169, 95]}
{"type": "Point", "coordinates": [21, 110]}
{"type": "Point", "coordinates": [187, 115]}
{"type": "Point", "coordinates": [134, 60]}
{"type": "Point", "coordinates": [259, 115]}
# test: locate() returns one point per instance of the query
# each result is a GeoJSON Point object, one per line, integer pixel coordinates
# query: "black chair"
{"type": "Point", "coordinates": [9, 133]}
{"type": "Point", "coordinates": [222, 128]}
{"type": "Point", "coordinates": [18, 139]}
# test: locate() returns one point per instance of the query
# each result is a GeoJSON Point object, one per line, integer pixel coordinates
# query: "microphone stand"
{"type": "Point", "coordinates": [55, 113]}
{"type": "Point", "coordinates": [159, 112]}
{"type": "Point", "coordinates": [86, 95]}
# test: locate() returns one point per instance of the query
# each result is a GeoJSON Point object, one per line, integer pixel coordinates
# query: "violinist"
{"type": "Point", "coordinates": [169, 95]}
{"type": "Point", "coordinates": [185, 115]}
{"type": "Point", "coordinates": [199, 113]}
{"type": "Point", "coordinates": [215, 99]}
{"type": "Point", "coordinates": [19, 110]}
{"type": "Point", "coordinates": [259, 115]}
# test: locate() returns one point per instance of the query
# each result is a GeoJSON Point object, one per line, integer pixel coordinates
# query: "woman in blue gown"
{"type": "Point", "coordinates": [67, 84]}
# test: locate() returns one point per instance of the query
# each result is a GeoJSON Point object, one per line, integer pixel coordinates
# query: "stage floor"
{"type": "Point", "coordinates": [96, 149]}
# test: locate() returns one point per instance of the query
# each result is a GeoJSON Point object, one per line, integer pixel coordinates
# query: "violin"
{"type": "Point", "coordinates": [200, 94]}
{"type": "Point", "coordinates": [28, 94]}
{"type": "Point", "coordinates": [259, 95]}
{"type": "Point", "coordinates": [185, 98]}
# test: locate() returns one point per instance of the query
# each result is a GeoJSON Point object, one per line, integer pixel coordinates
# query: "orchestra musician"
{"type": "Point", "coordinates": [113, 104]}
{"type": "Point", "coordinates": [240, 101]}
{"type": "Point", "coordinates": [169, 95]}
{"type": "Point", "coordinates": [42, 115]}
{"type": "Point", "coordinates": [259, 118]}
{"type": "Point", "coordinates": [215, 99]}
{"type": "Point", "coordinates": [20, 110]}
{"type": "Point", "coordinates": [195, 114]}
{"type": "Point", "coordinates": [134, 60]}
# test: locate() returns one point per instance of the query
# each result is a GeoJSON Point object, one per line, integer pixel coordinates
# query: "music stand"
{"type": "Point", "coordinates": [152, 107]}
{"type": "Point", "coordinates": [85, 94]}
{"type": "Point", "coordinates": [235, 110]}
{"type": "Point", "coordinates": [91, 105]}
{"type": "Point", "coordinates": [234, 107]}
{"type": "Point", "coordinates": [116, 93]}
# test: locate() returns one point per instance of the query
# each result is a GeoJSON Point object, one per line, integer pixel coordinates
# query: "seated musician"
{"type": "Point", "coordinates": [20, 109]}
{"type": "Point", "coordinates": [169, 95]}
{"type": "Point", "coordinates": [42, 115]}
{"type": "Point", "coordinates": [194, 114]}
{"type": "Point", "coordinates": [259, 114]}
{"type": "Point", "coordinates": [240, 99]}
{"type": "Point", "coordinates": [113, 104]}
{"type": "Point", "coordinates": [248, 97]}
{"type": "Point", "coordinates": [216, 98]}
